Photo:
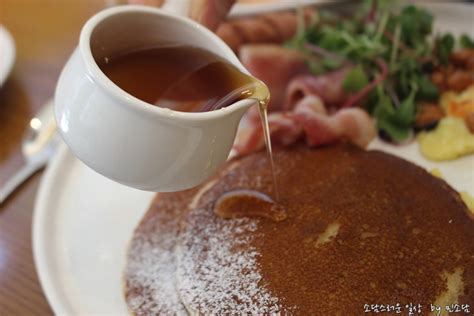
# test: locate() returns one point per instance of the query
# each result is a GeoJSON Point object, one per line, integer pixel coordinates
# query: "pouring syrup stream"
{"type": "Point", "coordinates": [258, 91]}
{"type": "Point", "coordinates": [263, 98]}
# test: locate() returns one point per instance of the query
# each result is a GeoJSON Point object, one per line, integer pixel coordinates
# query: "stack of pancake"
{"type": "Point", "coordinates": [361, 228]}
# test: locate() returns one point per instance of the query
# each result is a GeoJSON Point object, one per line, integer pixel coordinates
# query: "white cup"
{"type": "Point", "coordinates": [124, 138]}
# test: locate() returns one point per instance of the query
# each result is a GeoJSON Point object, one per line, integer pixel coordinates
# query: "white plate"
{"type": "Point", "coordinates": [81, 226]}
{"type": "Point", "coordinates": [83, 222]}
{"type": "Point", "coordinates": [7, 54]}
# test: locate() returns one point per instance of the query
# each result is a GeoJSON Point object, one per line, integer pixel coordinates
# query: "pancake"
{"type": "Point", "coordinates": [361, 228]}
{"type": "Point", "coordinates": [149, 273]}
{"type": "Point", "coordinates": [150, 268]}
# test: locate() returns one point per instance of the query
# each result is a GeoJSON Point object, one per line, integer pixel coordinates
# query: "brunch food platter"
{"type": "Point", "coordinates": [356, 207]}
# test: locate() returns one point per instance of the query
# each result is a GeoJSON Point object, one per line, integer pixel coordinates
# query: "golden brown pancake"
{"type": "Point", "coordinates": [361, 228]}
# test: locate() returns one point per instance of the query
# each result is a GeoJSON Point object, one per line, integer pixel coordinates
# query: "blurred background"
{"type": "Point", "coordinates": [45, 33]}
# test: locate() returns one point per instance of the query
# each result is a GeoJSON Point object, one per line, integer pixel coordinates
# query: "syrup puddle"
{"type": "Point", "coordinates": [248, 203]}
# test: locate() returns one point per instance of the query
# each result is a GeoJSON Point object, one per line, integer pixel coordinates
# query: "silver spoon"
{"type": "Point", "coordinates": [38, 146]}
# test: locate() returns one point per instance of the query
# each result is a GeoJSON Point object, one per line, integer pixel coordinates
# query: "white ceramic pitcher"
{"type": "Point", "coordinates": [124, 138]}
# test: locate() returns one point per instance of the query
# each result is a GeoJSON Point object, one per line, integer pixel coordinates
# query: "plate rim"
{"type": "Point", "coordinates": [40, 240]}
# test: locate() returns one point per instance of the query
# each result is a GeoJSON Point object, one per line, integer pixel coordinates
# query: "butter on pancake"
{"type": "Point", "coordinates": [361, 228]}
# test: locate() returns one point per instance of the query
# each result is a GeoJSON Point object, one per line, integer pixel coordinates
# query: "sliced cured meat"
{"type": "Point", "coordinates": [309, 120]}
{"type": "Point", "coordinates": [284, 130]}
{"type": "Point", "coordinates": [354, 125]}
{"type": "Point", "coordinates": [328, 87]}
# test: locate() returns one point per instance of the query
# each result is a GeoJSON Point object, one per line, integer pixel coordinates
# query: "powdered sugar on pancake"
{"type": "Point", "coordinates": [219, 274]}
{"type": "Point", "coordinates": [150, 271]}
{"type": "Point", "coordinates": [217, 265]}
{"type": "Point", "coordinates": [151, 264]}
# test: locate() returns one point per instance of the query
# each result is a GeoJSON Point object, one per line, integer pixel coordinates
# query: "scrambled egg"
{"type": "Point", "coordinates": [451, 139]}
